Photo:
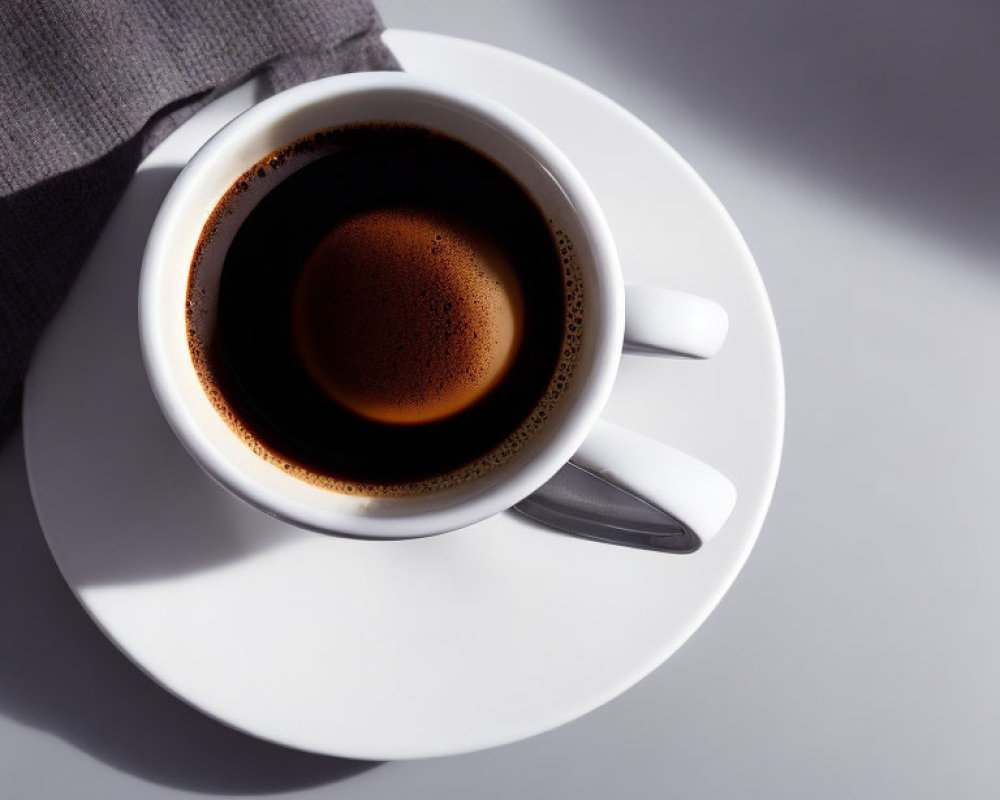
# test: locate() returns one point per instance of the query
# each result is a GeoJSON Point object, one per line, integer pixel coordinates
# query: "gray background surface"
{"type": "Point", "coordinates": [857, 146]}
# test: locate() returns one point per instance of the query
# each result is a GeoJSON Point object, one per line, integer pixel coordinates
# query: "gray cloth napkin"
{"type": "Point", "coordinates": [88, 87]}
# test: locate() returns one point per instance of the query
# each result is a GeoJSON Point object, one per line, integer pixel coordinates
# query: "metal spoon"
{"type": "Point", "coordinates": [582, 504]}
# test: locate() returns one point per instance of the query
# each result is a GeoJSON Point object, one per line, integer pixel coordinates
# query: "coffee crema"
{"type": "Point", "coordinates": [394, 314]}
{"type": "Point", "coordinates": [449, 311]}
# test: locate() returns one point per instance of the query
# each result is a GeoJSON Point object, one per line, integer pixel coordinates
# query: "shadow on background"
{"type": "Point", "coordinates": [59, 673]}
{"type": "Point", "coordinates": [896, 101]}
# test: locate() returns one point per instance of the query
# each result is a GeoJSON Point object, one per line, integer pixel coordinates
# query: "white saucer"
{"type": "Point", "coordinates": [435, 646]}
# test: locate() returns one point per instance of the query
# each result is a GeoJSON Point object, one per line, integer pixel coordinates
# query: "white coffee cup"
{"type": "Point", "coordinates": [652, 318]}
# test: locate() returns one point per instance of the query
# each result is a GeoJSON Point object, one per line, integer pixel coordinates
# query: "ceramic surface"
{"type": "Point", "coordinates": [424, 647]}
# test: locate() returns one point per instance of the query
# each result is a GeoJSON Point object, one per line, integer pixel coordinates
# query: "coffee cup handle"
{"type": "Point", "coordinates": [669, 322]}
{"type": "Point", "coordinates": [697, 495]}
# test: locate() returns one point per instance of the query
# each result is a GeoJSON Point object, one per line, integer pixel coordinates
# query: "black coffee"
{"type": "Point", "coordinates": [395, 313]}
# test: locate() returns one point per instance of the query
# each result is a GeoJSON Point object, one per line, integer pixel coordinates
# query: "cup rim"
{"type": "Point", "coordinates": [593, 392]}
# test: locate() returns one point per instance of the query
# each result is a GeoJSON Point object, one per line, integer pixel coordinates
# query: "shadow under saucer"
{"type": "Point", "coordinates": [60, 674]}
